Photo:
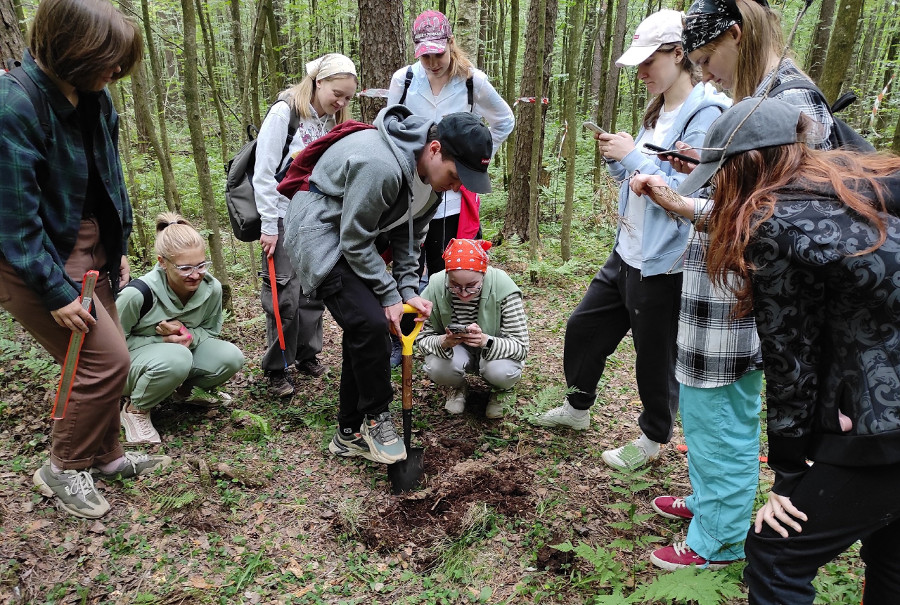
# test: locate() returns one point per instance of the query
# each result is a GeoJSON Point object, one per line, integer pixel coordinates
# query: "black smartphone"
{"type": "Point", "coordinates": [457, 328]}
{"type": "Point", "coordinates": [593, 127]}
{"type": "Point", "coordinates": [674, 154]}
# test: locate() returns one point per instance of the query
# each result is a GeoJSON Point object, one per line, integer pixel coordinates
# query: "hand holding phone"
{"type": "Point", "coordinates": [663, 151]}
{"type": "Point", "coordinates": [457, 328]}
{"type": "Point", "coordinates": [594, 127]}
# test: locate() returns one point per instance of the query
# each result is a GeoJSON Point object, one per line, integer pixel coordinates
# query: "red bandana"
{"type": "Point", "coordinates": [467, 254]}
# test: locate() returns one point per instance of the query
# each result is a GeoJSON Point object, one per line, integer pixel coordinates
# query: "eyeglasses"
{"type": "Point", "coordinates": [187, 270]}
{"type": "Point", "coordinates": [467, 289]}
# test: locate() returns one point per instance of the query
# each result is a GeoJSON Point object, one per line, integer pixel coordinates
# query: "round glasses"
{"type": "Point", "coordinates": [465, 289]}
{"type": "Point", "coordinates": [188, 270]}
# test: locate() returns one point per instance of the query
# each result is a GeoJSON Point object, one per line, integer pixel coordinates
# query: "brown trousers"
{"type": "Point", "coordinates": [89, 433]}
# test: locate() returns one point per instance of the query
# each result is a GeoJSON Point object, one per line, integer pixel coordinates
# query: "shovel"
{"type": "Point", "coordinates": [406, 474]}
{"type": "Point", "coordinates": [274, 287]}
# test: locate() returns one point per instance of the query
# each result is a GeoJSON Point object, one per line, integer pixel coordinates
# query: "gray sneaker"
{"type": "Point", "coordinates": [134, 464]}
{"type": "Point", "coordinates": [565, 415]}
{"type": "Point", "coordinates": [384, 444]}
{"type": "Point", "coordinates": [74, 492]}
{"type": "Point", "coordinates": [347, 448]}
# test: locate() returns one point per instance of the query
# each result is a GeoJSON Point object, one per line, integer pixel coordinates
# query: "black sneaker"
{"type": "Point", "coordinates": [396, 351]}
{"type": "Point", "coordinates": [279, 385]}
{"type": "Point", "coordinates": [347, 448]}
{"type": "Point", "coordinates": [311, 367]}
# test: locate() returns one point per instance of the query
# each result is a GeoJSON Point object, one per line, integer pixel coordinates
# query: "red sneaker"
{"type": "Point", "coordinates": [679, 555]}
{"type": "Point", "coordinates": [672, 507]}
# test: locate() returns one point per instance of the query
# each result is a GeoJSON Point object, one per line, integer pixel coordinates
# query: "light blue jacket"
{"type": "Point", "coordinates": [664, 239]}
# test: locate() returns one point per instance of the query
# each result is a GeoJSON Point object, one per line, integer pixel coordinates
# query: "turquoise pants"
{"type": "Point", "coordinates": [721, 428]}
{"type": "Point", "coordinates": [158, 369]}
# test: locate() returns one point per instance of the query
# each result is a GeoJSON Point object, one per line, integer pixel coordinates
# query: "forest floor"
{"type": "Point", "coordinates": [256, 510]}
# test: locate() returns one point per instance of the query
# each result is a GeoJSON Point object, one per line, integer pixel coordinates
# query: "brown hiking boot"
{"type": "Point", "coordinates": [311, 367]}
{"type": "Point", "coordinates": [279, 385]}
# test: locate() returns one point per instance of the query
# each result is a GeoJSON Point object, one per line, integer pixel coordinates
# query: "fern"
{"type": "Point", "coordinates": [256, 427]}
{"type": "Point", "coordinates": [174, 501]}
{"type": "Point", "coordinates": [688, 585]}
{"type": "Point", "coordinates": [607, 571]}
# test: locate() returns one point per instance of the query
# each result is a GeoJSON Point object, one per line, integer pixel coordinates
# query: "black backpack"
{"type": "Point", "coordinates": [239, 197]}
{"type": "Point", "coordinates": [842, 132]}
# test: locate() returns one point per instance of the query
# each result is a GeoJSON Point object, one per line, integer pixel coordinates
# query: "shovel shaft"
{"type": "Point", "coordinates": [70, 364]}
{"type": "Point", "coordinates": [273, 285]}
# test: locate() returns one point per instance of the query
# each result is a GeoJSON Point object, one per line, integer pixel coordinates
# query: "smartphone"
{"type": "Point", "coordinates": [674, 154]}
{"type": "Point", "coordinates": [457, 328]}
{"type": "Point", "coordinates": [594, 127]}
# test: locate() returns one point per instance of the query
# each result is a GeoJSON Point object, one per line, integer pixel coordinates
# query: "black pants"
{"type": "Point", "coordinates": [366, 351]}
{"type": "Point", "coordinates": [619, 298]}
{"type": "Point", "coordinates": [440, 232]}
{"type": "Point", "coordinates": [843, 504]}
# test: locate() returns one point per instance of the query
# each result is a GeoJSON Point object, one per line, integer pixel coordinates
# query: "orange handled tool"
{"type": "Point", "coordinates": [273, 285]}
{"type": "Point", "coordinates": [70, 364]}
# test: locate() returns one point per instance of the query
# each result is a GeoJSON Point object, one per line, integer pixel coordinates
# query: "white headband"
{"type": "Point", "coordinates": [330, 65]}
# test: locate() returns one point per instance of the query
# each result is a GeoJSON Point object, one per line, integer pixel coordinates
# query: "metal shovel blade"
{"type": "Point", "coordinates": [406, 475]}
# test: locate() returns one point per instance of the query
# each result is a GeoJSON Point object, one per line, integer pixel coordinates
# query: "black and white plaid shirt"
{"type": "Point", "coordinates": [713, 349]}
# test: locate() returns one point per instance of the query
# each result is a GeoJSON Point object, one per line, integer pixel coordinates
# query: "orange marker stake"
{"type": "Point", "coordinates": [70, 364]}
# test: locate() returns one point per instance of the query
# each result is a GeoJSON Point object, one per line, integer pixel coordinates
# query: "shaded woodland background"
{"type": "Point", "coordinates": [212, 67]}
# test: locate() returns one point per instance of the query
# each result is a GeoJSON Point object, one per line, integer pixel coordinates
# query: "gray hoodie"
{"type": "Point", "coordinates": [363, 187]}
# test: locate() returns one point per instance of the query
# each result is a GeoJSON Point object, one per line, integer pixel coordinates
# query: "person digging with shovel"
{"type": "Point", "coordinates": [368, 183]}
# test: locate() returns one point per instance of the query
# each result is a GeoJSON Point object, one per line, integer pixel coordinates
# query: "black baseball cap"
{"type": "Point", "coordinates": [464, 136]}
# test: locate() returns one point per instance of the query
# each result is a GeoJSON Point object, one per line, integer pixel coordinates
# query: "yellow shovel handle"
{"type": "Point", "coordinates": [408, 339]}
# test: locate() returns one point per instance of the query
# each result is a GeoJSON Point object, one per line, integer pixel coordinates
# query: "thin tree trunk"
{"type": "Point", "coordinates": [239, 63]}
{"type": "Point", "coordinates": [259, 30]}
{"type": "Point", "coordinates": [840, 48]}
{"type": "Point", "coordinates": [139, 232]}
{"type": "Point", "coordinates": [611, 95]}
{"type": "Point", "coordinates": [164, 155]}
{"type": "Point", "coordinates": [509, 86]}
{"type": "Point", "coordinates": [815, 58]}
{"type": "Point", "coordinates": [209, 56]}
{"type": "Point", "coordinates": [570, 102]}
{"type": "Point", "coordinates": [534, 208]}
{"type": "Point", "coordinates": [516, 221]}
{"type": "Point", "coordinates": [602, 53]}
{"type": "Point", "coordinates": [198, 146]}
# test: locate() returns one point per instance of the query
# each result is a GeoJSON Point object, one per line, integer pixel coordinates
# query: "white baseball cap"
{"type": "Point", "coordinates": [662, 27]}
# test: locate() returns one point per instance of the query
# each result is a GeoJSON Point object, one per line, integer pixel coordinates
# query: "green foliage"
{"type": "Point", "coordinates": [606, 570]}
{"type": "Point", "coordinates": [682, 586]}
{"type": "Point", "coordinates": [256, 428]}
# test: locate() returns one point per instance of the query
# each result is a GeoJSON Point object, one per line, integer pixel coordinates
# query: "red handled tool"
{"type": "Point", "coordinates": [74, 351]}
{"type": "Point", "coordinates": [273, 285]}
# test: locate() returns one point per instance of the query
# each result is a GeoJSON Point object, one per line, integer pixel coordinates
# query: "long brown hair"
{"type": "Point", "coordinates": [747, 187]}
{"type": "Point", "coordinates": [78, 40]}
{"type": "Point", "coordinates": [656, 105]}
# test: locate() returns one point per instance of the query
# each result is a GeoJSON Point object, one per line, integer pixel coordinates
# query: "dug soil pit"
{"type": "Point", "coordinates": [454, 483]}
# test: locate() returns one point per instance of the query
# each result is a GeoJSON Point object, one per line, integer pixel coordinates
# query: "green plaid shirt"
{"type": "Point", "coordinates": [43, 190]}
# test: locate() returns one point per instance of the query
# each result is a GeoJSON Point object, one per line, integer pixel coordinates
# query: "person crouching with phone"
{"type": "Point", "coordinates": [477, 324]}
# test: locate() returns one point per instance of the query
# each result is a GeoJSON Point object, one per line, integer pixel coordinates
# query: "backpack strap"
{"type": "Point", "coordinates": [141, 286]}
{"type": "Point", "coordinates": [470, 93]}
{"type": "Point", "coordinates": [406, 83]}
{"type": "Point", "coordinates": [35, 95]}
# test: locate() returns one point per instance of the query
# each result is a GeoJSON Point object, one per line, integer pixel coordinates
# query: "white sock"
{"type": "Point", "coordinates": [647, 444]}
{"type": "Point", "coordinates": [110, 467]}
{"type": "Point", "coordinates": [575, 413]}
{"type": "Point", "coordinates": [55, 469]}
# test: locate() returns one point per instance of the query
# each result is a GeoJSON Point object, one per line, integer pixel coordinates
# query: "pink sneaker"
{"type": "Point", "coordinates": [672, 507]}
{"type": "Point", "coordinates": [679, 555]}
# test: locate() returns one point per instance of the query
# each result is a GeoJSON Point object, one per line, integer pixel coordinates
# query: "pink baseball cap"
{"type": "Point", "coordinates": [431, 31]}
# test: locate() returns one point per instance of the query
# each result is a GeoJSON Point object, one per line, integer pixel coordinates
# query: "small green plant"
{"type": "Point", "coordinates": [545, 399]}
{"type": "Point", "coordinates": [478, 523]}
{"type": "Point", "coordinates": [627, 484]}
{"type": "Point", "coordinates": [606, 570]}
{"type": "Point", "coordinates": [683, 586]}
{"type": "Point", "coordinates": [256, 428]}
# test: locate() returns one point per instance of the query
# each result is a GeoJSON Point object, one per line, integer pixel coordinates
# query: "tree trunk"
{"type": "Point", "coordinates": [815, 58]}
{"type": "Point", "coordinates": [509, 86]}
{"type": "Point", "coordinates": [239, 63]}
{"type": "Point", "coordinates": [465, 27]}
{"type": "Point", "coordinates": [164, 156]}
{"type": "Point", "coordinates": [517, 207]}
{"type": "Point", "coordinates": [139, 233]}
{"type": "Point", "coordinates": [611, 95]}
{"type": "Point", "coordinates": [603, 61]}
{"type": "Point", "coordinates": [198, 146]}
{"type": "Point", "coordinates": [840, 47]}
{"type": "Point", "coordinates": [570, 102]}
{"type": "Point", "coordinates": [382, 49]}
{"type": "Point", "coordinates": [12, 42]}
{"type": "Point", "coordinates": [259, 30]}
{"type": "Point", "coordinates": [534, 208]}
{"type": "Point", "coordinates": [209, 56]}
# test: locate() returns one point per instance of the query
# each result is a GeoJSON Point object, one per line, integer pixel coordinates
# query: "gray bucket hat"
{"type": "Point", "coordinates": [770, 124]}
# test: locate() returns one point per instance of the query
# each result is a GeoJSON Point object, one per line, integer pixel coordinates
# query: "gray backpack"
{"type": "Point", "coordinates": [239, 197]}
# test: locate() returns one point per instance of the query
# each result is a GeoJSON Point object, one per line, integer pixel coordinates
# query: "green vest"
{"type": "Point", "coordinates": [497, 286]}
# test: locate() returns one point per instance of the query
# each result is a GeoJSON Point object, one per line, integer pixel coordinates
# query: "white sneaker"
{"type": "Point", "coordinates": [565, 415]}
{"type": "Point", "coordinates": [138, 428]}
{"type": "Point", "coordinates": [631, 455]}
{"type": "Point", "coordinates": [456, 402]}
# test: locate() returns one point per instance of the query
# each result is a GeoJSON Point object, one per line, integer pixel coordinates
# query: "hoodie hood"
{"type": "Point", "coordinates": [405, 135]}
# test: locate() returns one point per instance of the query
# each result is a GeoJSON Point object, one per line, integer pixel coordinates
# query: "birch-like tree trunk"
{"type": "Point", "coordinates": [198, 146]}
{"type": "Point", "coordinates": [570, 106]}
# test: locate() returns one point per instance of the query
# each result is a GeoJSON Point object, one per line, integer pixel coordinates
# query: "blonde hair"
{"type": "Point", "coordinates": [656, 105]}
{"type": "Point", "coordinates": [460, 65]}
{"type": "Point", "coordinates": [761, 38]}
{"type": "Point", "coordinates": [174, 233]}
{"type": "Point", "coordinates": [300, 96]}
